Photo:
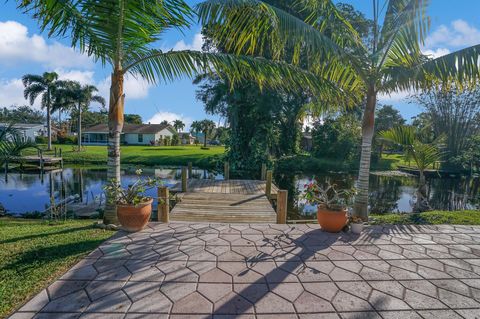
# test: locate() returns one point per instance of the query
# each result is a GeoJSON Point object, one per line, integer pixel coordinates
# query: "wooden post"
{"type": "Point", "coordinates": [163, 204]}
{"type": "Point", "coordinates": [55, 151]}
{"type": "Point", "coordinates": [282, 196]}
{"type": "Point", "coordinates": [60, 152]}
{"type": "Point", "coordinates": [268, 186]}
{"type": "Point", "coordinates": [41, 161]}
{"type": "Point", "coordinates": [263, 175]}
{"type": "Point", "coordinates": [226, 171]}
{"type": "Point", "coordinates": [184, 179]}
{"type": "Point", "coordinates": [190, 170]}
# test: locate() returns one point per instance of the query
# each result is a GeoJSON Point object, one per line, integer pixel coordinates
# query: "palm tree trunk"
{"type": "Point", "coordinates": [205, 139]}
{"type": "Point", "coordinates": [115, 126]}
{"type": "Point", "coordinates": [79, 130]}
{"type": "Point", "coordinates": [368, 127]}
{"type": "Point", "coordinates": [49, 124]}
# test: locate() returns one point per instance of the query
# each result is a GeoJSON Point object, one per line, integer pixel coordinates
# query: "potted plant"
{"type": "Point", "coordinates": [332, 205]}
{"type": "Point", "coordinates": [356, 224]}
{"type": "Point", "coordinates": [133, 207]}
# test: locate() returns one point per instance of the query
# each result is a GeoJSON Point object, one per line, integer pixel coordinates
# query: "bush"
{"type": "Point", "coordinates": [41, 139]}
{"type": "Point", "coordinates": [67, 139]}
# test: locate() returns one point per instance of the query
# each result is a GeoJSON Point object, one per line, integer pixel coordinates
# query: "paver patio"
{"type": "Point", "coordinates": [182, 270]}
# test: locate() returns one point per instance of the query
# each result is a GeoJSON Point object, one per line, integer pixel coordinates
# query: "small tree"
{"type": "Point", "coordinates": [423, 155]}
{"type": "Point", "coordinates": [178, 125]}
{"type": "Point", "coordinates": [207, 127]}
{"type": "Point", "coordinates": [175, 139]}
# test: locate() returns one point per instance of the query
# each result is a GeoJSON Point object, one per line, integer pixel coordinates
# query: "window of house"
{"type": "Point", "coordinates": [140, 138]}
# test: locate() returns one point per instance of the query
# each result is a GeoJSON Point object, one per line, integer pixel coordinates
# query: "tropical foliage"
{"type": "Point", "coordinates": [12, 144]}
{"type": "Point", "coordinates": [423, 155]}
{"type": "Point", "coordinates": [388, 60]}
{"type": "Point", "coordinates": [77, 98]}
{"type": "Point", "coordinates": [45, 86]}
{"type": "Point", "coordinates": [21, 114]}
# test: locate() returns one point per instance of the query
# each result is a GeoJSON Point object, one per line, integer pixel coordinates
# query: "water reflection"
{"type": "Point", "coordinates": [31, 193]}
{"type": "Point", "coordinates": [387, 194]}
{"type": "Point", "coordinates": [26, 193]}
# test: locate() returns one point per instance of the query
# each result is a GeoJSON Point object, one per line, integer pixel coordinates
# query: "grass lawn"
{"type": "Point", "coordinates": [34, 253]}
{"type": "Point", "coordinates": [145, 155]}
{"type": "Point", "coordinates": [466, 217]}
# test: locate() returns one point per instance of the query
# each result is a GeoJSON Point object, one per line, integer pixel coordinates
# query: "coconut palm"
{"type": "Point", "coordinates": [389, 60]}
{"type": "Point", "coordinates": [206, 127]}
{"type": "Point", "coordinates": [423, 155]}
{"type": "Point", "coordinates": [122, 34]}
{"type": "Point", "coordinates": [44, 85]}
{"type": "Point", "coordinates": [78, 97]}
{"type": "Point", "coordinates": [11, 144]}
{"type": "Point", "coordinates": [178, 125]}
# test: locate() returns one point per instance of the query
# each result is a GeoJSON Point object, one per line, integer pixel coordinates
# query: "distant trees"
{"type": "Point", "coordinates": [45, 86]}
{"type": "Point", "coordinates": [178, 125]}
{"type": "Point", "coordinates": [21, 114]}
{"type": "Point", "coordinates": [77, 98]}
{"type": "Point", "coordinates": [386, 118]}
{"type": "Point", "coordinates": [455, 114]}
{"type": "Point", "coordinates": [132, 119]}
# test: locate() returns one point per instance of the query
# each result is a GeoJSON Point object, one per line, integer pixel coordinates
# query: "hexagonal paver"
{"type": "Point", "coordinates": [194, 303]}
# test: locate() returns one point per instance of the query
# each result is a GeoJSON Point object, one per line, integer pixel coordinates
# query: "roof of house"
{"type": "Point", "coordinates": [132, 128]}
{"type": "Point", "coordinates": [22, 125]}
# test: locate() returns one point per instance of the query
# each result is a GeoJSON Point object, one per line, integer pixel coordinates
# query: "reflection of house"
{"type": "Point", "coordinates": [27, 131]}
{"type": "Point", "coordinates": [132, 134]}
{"type": "Point", "coordinates": [187, 138]}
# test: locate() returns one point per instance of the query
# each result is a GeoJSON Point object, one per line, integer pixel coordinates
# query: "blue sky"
{"type": "Point", "coordinates": [23, 49]}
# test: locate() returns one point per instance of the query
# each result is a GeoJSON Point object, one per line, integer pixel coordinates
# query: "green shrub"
{"type": "Point", "coordinates": [41, 139]}
{"type": "Point", "coordinates": [68, 139]}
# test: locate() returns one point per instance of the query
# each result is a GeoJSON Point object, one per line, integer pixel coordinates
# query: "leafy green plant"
{"type": "Point", "coordinates": [328, 196]}
{"type": "Point", "coordinates": [134, 194]}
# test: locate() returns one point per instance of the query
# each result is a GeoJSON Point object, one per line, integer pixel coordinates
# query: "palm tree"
{"type": "Point", "coordinates": [78, 97]}
{"type": "Point", "coordinates": [122, 33]}
{"type": "Point", "coordinates": [44, 85]}
{"type": "Point", "coordinates": [389, 60]}
{"type": "Point", "coordinates": [206, 127]}
{"type": "Point", "coordinates": [178, 125]}
{"type": "Point", "coordinates": [422, 154]}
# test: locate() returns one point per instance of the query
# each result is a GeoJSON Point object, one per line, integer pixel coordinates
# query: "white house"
{"type": "Point", "coordinates": [132, 134]}
{"type": "Point", "coordinates": [26, 131]}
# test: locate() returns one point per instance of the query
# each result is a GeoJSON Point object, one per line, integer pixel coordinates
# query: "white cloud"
{"type": "Point", "coordinates": [84, 77]}
{"type": "Point", "coordinates": [134, 88]}
{"type": "Point", "coordinates": [436, 53]}
{"type": "Point", "coordinates": [16, 46]}
{"type": "Point", "coordinates": [393, 97]}
{"type": "Point", "coordinates": [196, 44]}
{"type": "Point", "coordinates": [170, 117]}
{"type": "Point", "coordinates": [459, 34]}
{"type": "Point", "coordinates": [11, 93]}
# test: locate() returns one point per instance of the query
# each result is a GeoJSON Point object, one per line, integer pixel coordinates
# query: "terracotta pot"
{"type": "Point", "coordinates": [356, 228]}
{"type": "Point", "coordinates": [332, 221]}
{"type": "Point", "coordinates": [134, 217]}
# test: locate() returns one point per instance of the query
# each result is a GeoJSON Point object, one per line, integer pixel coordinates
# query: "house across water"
{"type": "Point", "coordinates": [132, 134]}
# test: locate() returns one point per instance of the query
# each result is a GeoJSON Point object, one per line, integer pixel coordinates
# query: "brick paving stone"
{"type": "Point", "coordinates": [182, 270]}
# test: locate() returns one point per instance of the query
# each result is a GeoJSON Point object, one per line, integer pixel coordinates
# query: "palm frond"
{"type": "Point", "coordinates": [177, 64]}
{"type": "Point", "coordinates": [404, 135]}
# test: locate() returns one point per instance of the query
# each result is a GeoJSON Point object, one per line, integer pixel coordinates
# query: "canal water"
{"type": "Point", "coordinates": [29, 193]}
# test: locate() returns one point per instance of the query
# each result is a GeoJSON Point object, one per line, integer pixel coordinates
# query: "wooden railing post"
{"type": "Point", "coordinates": [268, 186]}
{"type": "Point", "coordinates": [263, 175]}
{"type": "Point", "coordinates": [55, 151]}
{"type": "Point", "coordinates": [282, 197]}
{"type": "Point", "coordinates": [226, 171]}
{"type": "Point", "coordinates": [184, 179]}
{"type": "Point", "coordinates": [163, 214]}
{"type": "Point", "coordinates": [190, 170]}
{"type": "Point", "coordinates": [60, 152]}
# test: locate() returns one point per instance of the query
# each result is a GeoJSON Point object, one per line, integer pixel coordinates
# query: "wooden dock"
{"type": "Point", "coordinates": [225, 201]}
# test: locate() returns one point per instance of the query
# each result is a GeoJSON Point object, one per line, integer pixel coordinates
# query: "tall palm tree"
{"type": "Point", "coordinates": [44, 85]}
{"type": "Point", "coordinates": [422, 154]}
{"type": "Point", "coordinates": [178, 125]}
{"type": "Point", "coordinates": [78, 97]}
{"type": "Point", "coordinates": [389, 60]}
{"type": "Point", "coordinates": [122, 33]}
{"type": "Point", "coordinates": [206, 127]}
